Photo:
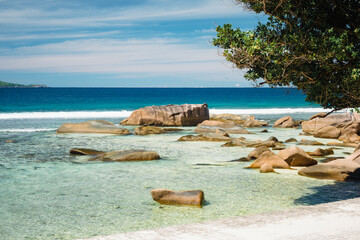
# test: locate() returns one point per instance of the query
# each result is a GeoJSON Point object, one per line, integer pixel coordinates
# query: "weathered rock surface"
{"type": "Point", "coordinates": [210, 126]}
{"type": "Point", "coordinates": [93, 126]}
{"type": "Point", "coordinates": [146, 130]}
{"type": "Point", "coordinates": [266, 168]}
{"type": "Point", "coordinates": [285, 122]}
{"type": "Point", "coordinates": [209, 137]}
{"type": "Point", "coordinates": [240, 142]}
{"type": "Point", "coordinates": [129, 155]}
{"type": "Point", "coordinates": [310, 143]}
{"type": "Point", "coordinates": [270, 158]}
{"type": "Point", "coordinates": [344, 126]}
{"type": "Point", "coordinates": [169, 115]}
{"type": "Point", "coordinates": [340, 144]}
{"type": "Point", "coordinates": [340, 169]}
{"type": "Point", "coordinates": [85, 151]}
{"type": "Point", "coordinates": [187, 198]}
{"type": "Point", "coordinates": [234, 118]}
{"type": "Point", "coordinates": [296, 156]}
{"type": "Point", "coordinates": [254, 154]}
{"type": "Point", "coordinates": [252, 122]}
{"type": "Point", "coordinates": [321, 152]}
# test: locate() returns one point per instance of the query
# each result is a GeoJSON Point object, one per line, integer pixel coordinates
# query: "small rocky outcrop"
{"type": "Point", "coordinates": [85, 151]}
{"type": "Point", "coordinates": [93, 126]}
{"type": "Point", "coordinates": [254, 154]}
{"type": "Point", "coordinates": [270, 158]}
{"type": "Point", "coordinates": [340, 144]}
{"type": "Point", "coordinates": [181, 198]}
{"type": "Point", "coordinates": [321, 152]}
{"type": "Point", "coordinates": [241, 142]}
{"type": "Point", "coordinates": [291, 140]}
{"type": "Point", "coordinates": [146, 130]}
{"type": "Point", "coordinates": [210, 126]}
{"type": "Point", "coordinates": [340, 169]}
{"type": "Point", "coordinates": [210, 137]}
{"type": "Point", "coordinates": [9, 141]}
{"type": "Point", "coordinates": [285, 122]}
{"type": "Point", "coordinates": [296, 156]}
{"type": "Point", "coordinates": [237, 119]}
{"type": "Point", "coordinates": [266, 168]}
{"type": "Point", "coordinates": [169, 115]}
{"type": "Point", "coordinates": [252, 122]}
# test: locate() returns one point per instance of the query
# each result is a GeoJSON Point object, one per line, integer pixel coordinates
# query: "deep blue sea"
{"type": "Point", "coordinates": [46, 193]}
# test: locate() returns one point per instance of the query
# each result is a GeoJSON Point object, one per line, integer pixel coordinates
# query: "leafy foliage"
{"type": "Point", "coordinates": [313, 45]}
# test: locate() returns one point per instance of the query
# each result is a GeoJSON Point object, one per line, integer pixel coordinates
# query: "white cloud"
{"type": "Point", "coordinates": [155, 56]}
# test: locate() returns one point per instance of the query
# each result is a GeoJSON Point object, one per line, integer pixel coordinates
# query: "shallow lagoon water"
{"type": "Point", "coordinates": [48, 194]}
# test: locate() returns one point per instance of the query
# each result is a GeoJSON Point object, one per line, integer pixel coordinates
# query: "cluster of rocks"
{"type": "Point", "coordinates": [216, 128]}
{"type": "Point", "coordinates": [344, 126]}
{"type": "Point", "coordinates": [286, 158]}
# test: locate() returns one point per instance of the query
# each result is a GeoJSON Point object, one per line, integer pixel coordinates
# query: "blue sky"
{"type": "Point", "coordinates": [118, 43]}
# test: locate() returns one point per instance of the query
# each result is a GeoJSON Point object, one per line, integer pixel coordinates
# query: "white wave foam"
{"type": "Point", "coordinates": [125, 113]}
{"type": "Point", "coordinates": [66, 115]}
{"type": "Point", "coordinates": [27, 130]}
{"type": "Point", "coordinates": [269, 111]}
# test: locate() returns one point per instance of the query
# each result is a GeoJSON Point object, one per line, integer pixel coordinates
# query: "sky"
{"type": "Point", "coordinates": [118, 43]}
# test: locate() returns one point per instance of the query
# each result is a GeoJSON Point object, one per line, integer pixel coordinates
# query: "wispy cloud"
{"type": "Point", "coordinates": [115, 56]}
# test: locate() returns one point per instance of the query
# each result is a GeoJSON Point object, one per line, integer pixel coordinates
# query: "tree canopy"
{"type": "Point", "coordinates": [313, 45]}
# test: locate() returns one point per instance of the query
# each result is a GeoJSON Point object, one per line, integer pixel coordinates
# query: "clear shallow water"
{"type": "Point", "coordinates": [47, 194]}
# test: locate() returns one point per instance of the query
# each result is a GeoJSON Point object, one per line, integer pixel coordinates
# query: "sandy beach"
{"type": "Point", "coordinates": [336, 220]}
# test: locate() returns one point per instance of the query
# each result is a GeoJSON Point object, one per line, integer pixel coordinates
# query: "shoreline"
{"type": "Point", "coordinates": [335, 220]}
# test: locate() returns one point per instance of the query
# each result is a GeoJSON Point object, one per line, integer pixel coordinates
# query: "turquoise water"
{"type": "Point", "coordinates": [48, 194]}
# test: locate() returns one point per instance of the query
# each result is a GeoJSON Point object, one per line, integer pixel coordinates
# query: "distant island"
{"type": "Point", "coordinates": [15, 85]}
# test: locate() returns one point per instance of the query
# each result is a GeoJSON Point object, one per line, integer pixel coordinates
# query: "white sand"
{"type": "Point", "coordinates": [337, 220]}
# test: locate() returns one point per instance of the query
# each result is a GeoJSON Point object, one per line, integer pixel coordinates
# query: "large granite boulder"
{"type": "Point", "coordinates": [128, 155]}
{"type": "Point", "coordinates": [296, 156]}
{"type": "Point", "coordinates": [93, 126]}
{"type": "Point", "coordinates": [344, 126]}
{"type": "Point", "coordinates": [270, 158]}
{"type": "Point", "coordinates": [285, 122]}
{"type": "Point", "coordinates": [254, 154]}
{"type": "Point", "coordinates": [340, 169]}
{"type": "Point", "coordinates": [210, 126]}
{"type": "Point", "coordinates": [169, 115]}
{"type": "Point", "coordinates": [187, 198]}
{"type": "Point", "coordinates": [146, 130]}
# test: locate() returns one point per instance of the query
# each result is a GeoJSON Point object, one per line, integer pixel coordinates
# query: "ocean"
{"type": "Point", "coordinates": [48, 194]}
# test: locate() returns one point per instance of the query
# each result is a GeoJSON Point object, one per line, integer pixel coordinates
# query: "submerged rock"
{"type": "Point", "coordinates": [169, 115]}
{"type": "Point", "coordinates": [85, 151]}
{"type": "Point", "coordinates": [211, 137]}
{"type": "Point", "coordinates": [186, 198]}
{"type": "Point", "coordinates": [310, 142]}
{"type": "Point", "coordinates": [10, 141]}
{"type": "Point", "coordinates": [210, 126]}
{"type": "Point", "coordinates": [93, 126]}
{"type": "Point", "coordinates": [241, 142]}
{"type": "Point", "coordinates": [146, 130]}
{"type": "Point", "coordinates": [340, 144]}
{"type": "Point", "coordinates": [291, 140]}
{"type": "Point", "coordinates": [129, 155]}
{"type": "Point", "coordinates": [296, 156]}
